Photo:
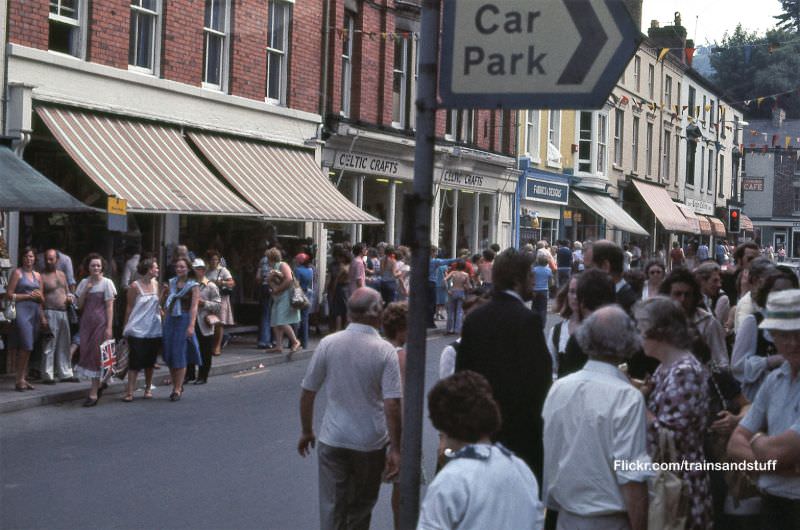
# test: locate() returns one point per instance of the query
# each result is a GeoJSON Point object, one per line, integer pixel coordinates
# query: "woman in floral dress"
{"type": "Point", "coordinates": [677, 398]}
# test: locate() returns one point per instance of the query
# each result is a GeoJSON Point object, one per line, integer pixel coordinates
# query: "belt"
{"type": "Point", "coordinates": [53, 309]}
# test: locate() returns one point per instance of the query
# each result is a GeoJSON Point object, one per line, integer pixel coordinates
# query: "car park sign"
{"type": "Point", "coordinates": [533, 54]}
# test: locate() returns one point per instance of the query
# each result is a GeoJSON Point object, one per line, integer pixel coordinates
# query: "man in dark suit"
{"type": "Point", "coordinates": [608, 256]}
{"type": "Point", "coordinates": [503, 341]}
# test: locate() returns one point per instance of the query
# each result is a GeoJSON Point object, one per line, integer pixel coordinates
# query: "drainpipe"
{"type": "Point", "coordinates": [326, 45]}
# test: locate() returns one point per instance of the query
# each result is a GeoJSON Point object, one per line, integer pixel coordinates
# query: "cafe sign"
{"type": "Point", "coordinates": [546, 191]}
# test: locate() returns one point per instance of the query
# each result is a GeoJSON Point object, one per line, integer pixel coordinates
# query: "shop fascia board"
{"type": "Point", "coordinates": [66, 80]}
{"type": "Point", "coordinates": [452, 150]}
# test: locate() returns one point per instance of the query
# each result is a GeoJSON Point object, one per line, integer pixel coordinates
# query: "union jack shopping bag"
{"type": "Point", "coordinates": [108, 356]}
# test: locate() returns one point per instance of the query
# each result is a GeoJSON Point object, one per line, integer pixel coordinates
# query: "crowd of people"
{"type": "Point", "coordinates": [653, 362]}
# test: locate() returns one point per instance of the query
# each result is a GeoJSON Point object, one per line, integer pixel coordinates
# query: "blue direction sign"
{"type": "Point", "coordinates": [534, 53]}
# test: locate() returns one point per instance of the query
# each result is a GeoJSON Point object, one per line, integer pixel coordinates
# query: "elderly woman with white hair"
{"type": "Point", "coordinates": [677, 397]}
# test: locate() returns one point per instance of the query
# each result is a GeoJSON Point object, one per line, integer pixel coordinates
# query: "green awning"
{"type": "Point", "coordinates": [22, 188]}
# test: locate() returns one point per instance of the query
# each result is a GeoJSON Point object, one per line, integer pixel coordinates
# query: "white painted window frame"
{"type": "Point", "coordinates": [533, 127]}
{"type": "Point", "coordinates": [155, 51]}
{"type": "Point", "coordinates": [79, 24]}
{"type": "Point", "coordinates": [347, 65]}
{"type": "Point", "coordinates": [209, 33]}
{"type": "Point", "coordinates": [286, 8]}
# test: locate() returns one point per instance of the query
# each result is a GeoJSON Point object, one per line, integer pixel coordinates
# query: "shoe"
{"type": "Point", "coordinates": [20, 388]}
{"type": "Point", "coordinates": [90, 402]}
{"type": "Point", "coordinates": [175, 396]}
{"type": "Point", "coordinates": [226, 339]}
{"type": "Point", "coordinates": [48, 381]}
{"type": "Point", "coordinates": [274, 349]}
{"type": "Point", "coordinates": [296, 348]}
{"type": "Point", "coordinates": [201, 381]}
{"type": "Point", "coordinates": [70, 380]}
{"type": "Point", "coordinates": [128, 399]}
{"type": "Point", "coordinates": [188, 379]}
{"type": "Point", "coordinates": [148, 394]}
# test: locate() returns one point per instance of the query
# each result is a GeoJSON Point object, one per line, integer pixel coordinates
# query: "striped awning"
{"type": "Point", "coordinates": [605, 207]}
{"type": "Point", "coordinates": [717, 226]}
{"type": "Point", "coordinates": [662, 206]}
{"type": "Point", "coordinates": [282, 183]}
{"type": "Point", "coordinates": [691, 218]}
{"type": "Point", "coordinates": [705, 225]}
{"type": "Point", "coordinates": [149, 164]}
{"type": "Point", "coordinates": [745, 223]}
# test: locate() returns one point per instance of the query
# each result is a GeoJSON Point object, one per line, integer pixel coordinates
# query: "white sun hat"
{"type": "Point", "coordinates": [783, 311]}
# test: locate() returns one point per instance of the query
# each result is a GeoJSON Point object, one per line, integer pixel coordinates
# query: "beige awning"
{"type": "Point", "coordinates": [283, 183]}
{"type": "Point", "coordinates": [717, 226]}
{"type": "Point", "coordinates": [705, 225]}
{"type": "Point", "coordinates": [147, 163]}
{"type": "Point", "coordinates": [691, 218]}
{"type": "Point", "coordinates": [745, 223]}
{"type": "Point", "coordinates": [605, 207]}
{"type": "Point", "coordinates": [662, 206]}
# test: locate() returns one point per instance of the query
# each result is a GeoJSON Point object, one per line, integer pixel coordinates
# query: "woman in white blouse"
{"type": "Point", "coordinates": [566, 306]}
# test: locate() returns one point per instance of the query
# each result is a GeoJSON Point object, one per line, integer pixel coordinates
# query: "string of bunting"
{"type": "Point", "coordinates": [343, 33]}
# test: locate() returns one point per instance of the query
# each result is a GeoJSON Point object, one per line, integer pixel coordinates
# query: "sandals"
{"type": "Point", "coordinates": [148, 394]}
{"type": "Point", "coordinates": [90, 402]}
{"type": "Point", "coordinates": [128, 398]}
{"type": "Point", "coordinates": [23, 387]}
{"type": "Point", "coordinates": [175, 396]}
{"type": "Point", "coordinates": [296, 348]}
{"type": "Point", "coordinates": [273, 350]}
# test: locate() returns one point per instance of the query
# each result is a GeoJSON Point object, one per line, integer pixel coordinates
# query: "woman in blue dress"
{"type": "Point", "coordinates": [24, 290]}
{"type": "Point", "coordinates": [181, 296]}
{"type": "Point", "coordinates": [283, 314]}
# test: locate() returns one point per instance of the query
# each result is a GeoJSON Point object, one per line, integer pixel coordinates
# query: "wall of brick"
{"type": "Point", "coordinates": [27, 22]}
{"type": "Point", "coordinates": [785, 162]}
{"type": "Point", "coordinates": [109, 33]}
{"type": "Point", "coordinates": [182, 44]}
{"type": "Point", "coordinates": [248, 59]}
{"type": "Point", "coordinates": [367, 87]}
{"type": "Point", "coordinates": [305, 64]}
{"type": "Point", "coordinates": [386, 84]}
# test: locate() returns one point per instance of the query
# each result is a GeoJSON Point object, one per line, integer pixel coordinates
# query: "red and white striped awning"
{"type": "Point", "coordinates": [282, 182]}
{"type": "Point", "coordinates": [746, 223]}
{"type": "Point", "coordinates": [149, 164]}
{"type": "Point", "coordinates": [691, 218]}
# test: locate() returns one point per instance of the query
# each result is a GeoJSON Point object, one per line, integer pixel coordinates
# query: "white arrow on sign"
{"type": "Point", "coordinates": [534, 54]}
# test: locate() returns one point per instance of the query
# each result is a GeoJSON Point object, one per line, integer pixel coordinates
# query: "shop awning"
{"type": "Point", "coordinates": [717, 226]}
{"type": "Point", "coordinates": [281, 182]}
{"type": "Point", "coordinates": [605, 207]}
{"type": "Point", "coordinates": [705, 225]}
{"type": "Point", "coordinates": [745, 223]}
{"type": "Point", "coordinates": [691, 218]}
{"type": "Point", "coordinates": [149, 164]}
{"type": "Point", "coordinates": [22, 188]}
{"type": "Point", "coordinates": [662, 206]}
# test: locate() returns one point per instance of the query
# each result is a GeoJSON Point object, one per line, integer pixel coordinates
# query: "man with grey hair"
{"type": "Point", "coordinates": [361, 374]}
{"type": "Point", "coordinates": [595, 433]}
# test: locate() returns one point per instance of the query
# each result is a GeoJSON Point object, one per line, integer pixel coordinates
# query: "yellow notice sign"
{"type": "Point", "coordinates": [117, 206]}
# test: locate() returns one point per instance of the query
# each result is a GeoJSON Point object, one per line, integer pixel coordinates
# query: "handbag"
{"type": "Point", "coordinates": [72, 314]}
{"type": "Point", "coordinates": [10, 312]}
{"type": "Point", "coordinates": [122, 361]}
{"type": "Point", "coordinates": [669, 493]}
{"type": "Point", "coordinates": [299, 300]}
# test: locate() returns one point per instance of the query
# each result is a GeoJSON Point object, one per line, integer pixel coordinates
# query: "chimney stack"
{"type": "Point", "coordinates": [673, 37]}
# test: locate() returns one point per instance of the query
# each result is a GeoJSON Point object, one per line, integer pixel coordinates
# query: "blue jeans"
{"type": "Point", "coordinates": [389, 291]}
{"type": "Point", "coordinates": [265, 331]}
{"type": "Point", "coordinates": [455, 310]}
{"type": "Point", "coordinates": [301, 328]}
{"type": "Point", "coordinates": [540, 305]}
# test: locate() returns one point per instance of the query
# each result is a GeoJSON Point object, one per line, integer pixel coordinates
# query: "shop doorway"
{"type": "Point", "coordinates": [796, 244]}
{"type": "Point", "coordinates": [779, 239]}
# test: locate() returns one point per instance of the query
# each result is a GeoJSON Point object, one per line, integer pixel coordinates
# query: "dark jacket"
{"type": "Point", "coordinates": [627, 297]}
{"type": "Point", "coordinates": [503, 341]}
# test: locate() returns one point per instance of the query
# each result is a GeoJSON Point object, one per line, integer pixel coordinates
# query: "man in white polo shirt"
{"type": "Point", "coordinates": [361, 375]}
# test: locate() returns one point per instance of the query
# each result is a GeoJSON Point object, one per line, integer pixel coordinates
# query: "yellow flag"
{"type": "Point", "coordinates": [788, 141]}
{"type": "Point", "coordinates": [664, 52]}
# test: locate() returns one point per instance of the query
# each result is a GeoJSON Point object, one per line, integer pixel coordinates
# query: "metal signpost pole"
{"type": "Point", "coordinates": [414, 392]}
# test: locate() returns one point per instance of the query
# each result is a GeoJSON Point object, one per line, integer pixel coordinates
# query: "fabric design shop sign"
{"type": "Point", "coordinates": [544, 190]}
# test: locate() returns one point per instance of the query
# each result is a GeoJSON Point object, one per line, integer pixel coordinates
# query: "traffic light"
{"type": "Point", "coordinates": [733, 219]}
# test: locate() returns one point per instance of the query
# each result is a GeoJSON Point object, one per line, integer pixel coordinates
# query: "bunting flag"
{"type": "Point", "coordinates": [774, 139]}
{"type": "Point", "coordinates": [662, 54]}
{"type": "Point", "coordinates": [758, 102]}
{"type": "Point", "coordinates": [708, 108]}
{"type": "Point", "coordinates": [624, 101]}
{"type": "Point", "coordinates": [788, 141]}
{"type": "Point", "coordinates": [689, 56]}
{"type": "Point", "coordinates": [685, 107]}
{"type": "Point", "coordinates": [677, 109]}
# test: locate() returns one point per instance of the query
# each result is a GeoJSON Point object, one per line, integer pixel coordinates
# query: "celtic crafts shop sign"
{"type": "Point", "coordinates": [544, 190]}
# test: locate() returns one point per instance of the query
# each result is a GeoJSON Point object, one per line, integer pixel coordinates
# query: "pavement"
{"type": "Point", "coordinates": [241, 355]}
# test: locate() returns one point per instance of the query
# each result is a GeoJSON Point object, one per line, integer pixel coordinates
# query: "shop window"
{"type": "Point", "coordinates": [648, 150]}
{"type": "Point", "coordinates": [144, 35]}
{"type": "Point", "coordinates": [635, 144]}
{"type": "Point", "coordinates": [401, 89]}
{"type": "Point", "coordinates": [532, 126]}
{"type": "Point", "coordinates": [637, 73]}
{"type": "Point", "coordinates": [347, 62]}
{"type": "Point", "coordinates": [554, 138]}
{"type": "Point", "coordinates": [215, 50]}
{"type": "Point", "coordinates": [460, 126]}
{"type": "Point", "coordinates": [619, 124]}
{"type": "Point", "coordinates": [280, 22]}
{"type": "Point", "coordinates": [651, 81]}
{"type": "Point", "coordinates": [665, 157]}
{"type": "Point", "coordinates": [66, 34]}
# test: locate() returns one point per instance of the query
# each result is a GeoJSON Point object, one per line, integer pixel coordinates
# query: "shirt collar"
{"type": "Point", "coordinates": [362, 328]}
{"type": "Point", "coordinates": [515, 294]}
{"type": "Point", "coordinates": [604, 368]}
{"type": "Point", "coordinates": [620, 284]}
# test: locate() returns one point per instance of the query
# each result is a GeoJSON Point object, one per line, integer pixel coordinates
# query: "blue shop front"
{"type": "Point", "coordinates": [541, 197]}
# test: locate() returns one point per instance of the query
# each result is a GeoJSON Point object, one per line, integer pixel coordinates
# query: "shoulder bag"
{"type": "Point", "coordinates": [669, 494]}
{"type": "Point", "coordinates": [299, 299]}
{"type": "Point", "coordinates": [10, 312]}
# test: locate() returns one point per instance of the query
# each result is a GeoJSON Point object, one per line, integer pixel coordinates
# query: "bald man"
{"type": "Point", "coordinates": [359, 439]}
